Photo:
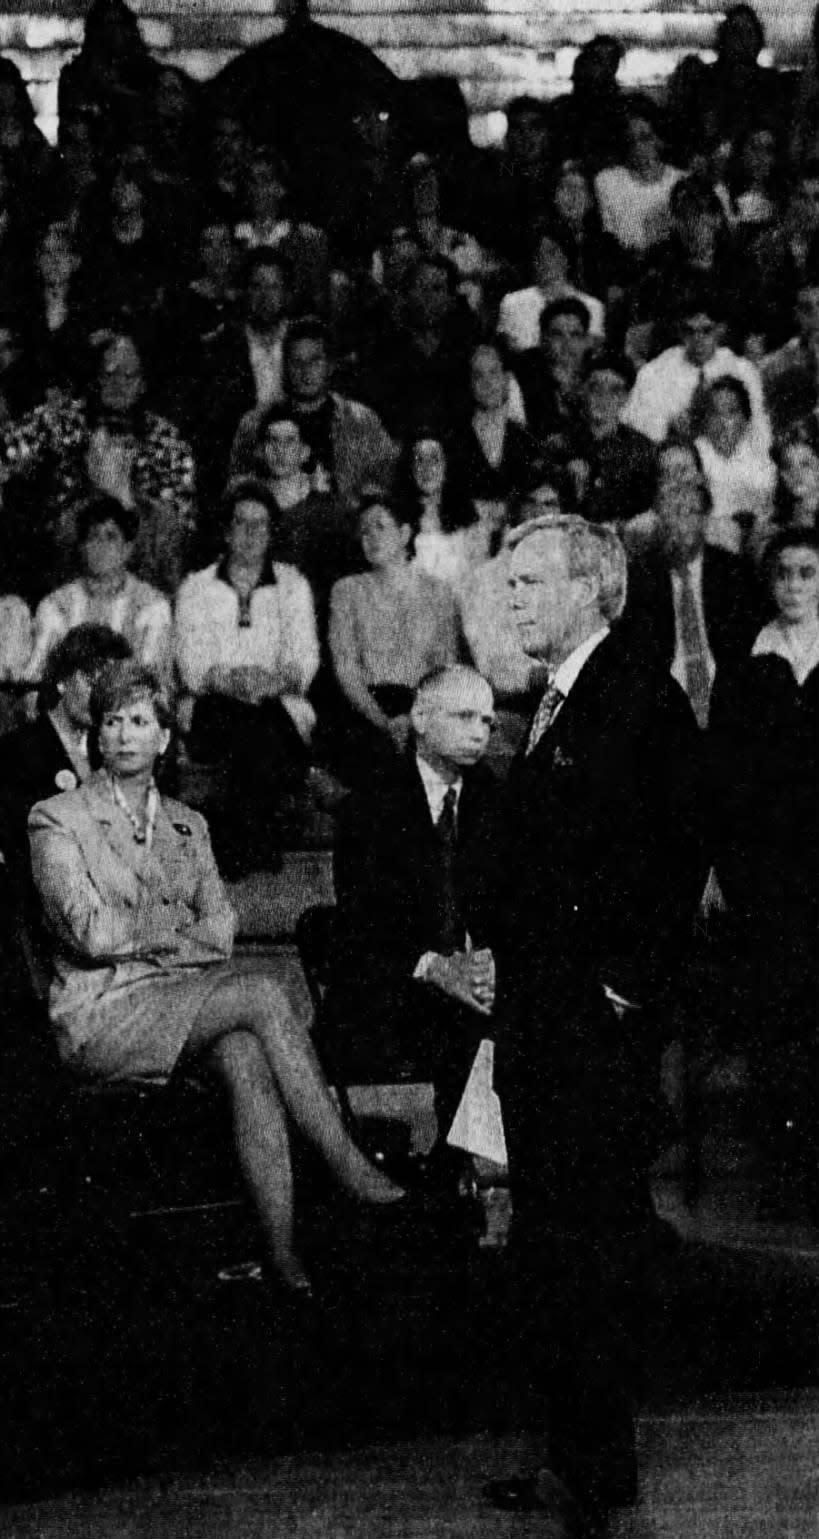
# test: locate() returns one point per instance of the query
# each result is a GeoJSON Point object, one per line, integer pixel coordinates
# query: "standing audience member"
{"type": "Point", "coordinates": [416, 869]}
{"type": "Point", "coordinates": [605, 872]}
{"type": "Point", "coordinates": [107, 593]}
{"type": "Point", "coordinates": [247, 652]}
{"type": "Point", "coordinates": [389, 627]}
{"type": "Point", "coordinates": [765, 731]}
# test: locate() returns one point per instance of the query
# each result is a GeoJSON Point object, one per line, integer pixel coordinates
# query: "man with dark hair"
{"type": "Point", "coordinates": [790, 374]}
{"type": "Point", "coordinates": [416, 868]}
{"type": "Point", "coordinates": [348, 446]}
{"type": "Point", "coordinates": [613, 466]}
{"type": "Point", "coordinates": [242, 368]}
{"type": "Point", "coordinates": [417, 375]}
{"type": "Point", "coordinates": [699, 251]}
{"type": "Point", "coordinates": [670, 389]}
{"type": "Point", "coordinates": [551, 375]}
{"type": "Point", "coordinates": [589, 123]}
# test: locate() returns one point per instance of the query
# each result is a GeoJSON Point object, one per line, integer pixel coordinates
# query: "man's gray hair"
{"type": "Point", "coordinates": [594, 550]}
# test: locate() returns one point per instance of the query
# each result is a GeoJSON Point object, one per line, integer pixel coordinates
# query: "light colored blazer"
{"type": "Point", "coordinates": [138, 933]}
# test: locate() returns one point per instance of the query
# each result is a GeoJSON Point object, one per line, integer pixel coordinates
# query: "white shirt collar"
{"type": "Point", "coordinates": [773, 639]}
{"type": "Point", "coordinates": [435, 787]}
{"type": "Point", "coordinates": [694, 568]}
{"type": "Point", "coordinates": [565, 676]}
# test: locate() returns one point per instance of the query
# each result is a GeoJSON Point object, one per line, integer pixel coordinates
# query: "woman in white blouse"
{"type": "Point", "coordinates": [741, 476]}
{"type": "Point", "coordinates": [247, 652]}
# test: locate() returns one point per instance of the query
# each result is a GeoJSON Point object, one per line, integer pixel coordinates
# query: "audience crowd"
{"type": "Point", "coordinates": [281, 447]}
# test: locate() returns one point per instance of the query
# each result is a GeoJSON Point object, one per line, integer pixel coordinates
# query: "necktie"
{"type": "Point", "coordinates": [544, 716]}
{"type": "Point", "coordinates": [451, 936]}
{"type": "Point", "coordinates": [695, 658]}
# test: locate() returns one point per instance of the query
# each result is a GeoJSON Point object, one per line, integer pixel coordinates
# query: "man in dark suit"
{"type": "Point", "coordinates": [416, 871]}
{"type": "Point", "coordinates": [694, 606]}
{"type": "Point", "coordinates": [605, 873]}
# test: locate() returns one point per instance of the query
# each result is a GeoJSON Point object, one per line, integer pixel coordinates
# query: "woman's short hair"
{"type": "Point", "coordinates": [119, 684]}
{"type": "Point", "coordinates": [593, 550]}
{"type": "Point", "coordinates": [248, 489]}
{"type": "Point", "coordinates": [99, 509]}
{"type": "Point", "coordinates": [84, 649]}
{"type": "Point", "coordinates": [794, 538]}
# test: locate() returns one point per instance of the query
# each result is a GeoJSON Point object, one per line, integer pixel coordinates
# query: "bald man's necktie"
{"type": "Point", "coordinates": [544, 716]}
{"type": "Point", "coordinates": [451, 926]}
{"type": "Point", "coordinates": [695, 654]}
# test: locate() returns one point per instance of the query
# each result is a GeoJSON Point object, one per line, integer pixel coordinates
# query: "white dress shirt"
{"type": "Point", "coordinates": [665, 387]}
{"type": "Point", "coordinates": [773, 639]}
{"type": "Point", "coordinates": [266, 356]}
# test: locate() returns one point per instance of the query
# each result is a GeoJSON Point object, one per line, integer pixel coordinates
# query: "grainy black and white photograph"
{"type": "Point", "coordinates": [409, 769]}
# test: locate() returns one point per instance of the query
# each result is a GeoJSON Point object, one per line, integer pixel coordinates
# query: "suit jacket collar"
{"type": "Point", "coordinates": [586, 700]}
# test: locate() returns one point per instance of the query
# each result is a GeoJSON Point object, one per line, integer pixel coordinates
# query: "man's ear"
{"type": "Point", "coordinates": [164, 741]}
{"type": "Point", "coordinates": [418, 717]}
{"type": "Point", "coordinates": [590, 586]}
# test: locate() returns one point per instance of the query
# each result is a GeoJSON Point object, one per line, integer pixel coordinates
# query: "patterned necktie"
{"type": "Point", "coordinates": [451, 936]}
{"type": "Point", "coordinates": [544, 716]}
{"type": "Point", "coordinates": [696, 675]}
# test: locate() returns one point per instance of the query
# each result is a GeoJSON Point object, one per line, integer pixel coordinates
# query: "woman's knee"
{"type": "Point", "coordinates": [240, 1060]}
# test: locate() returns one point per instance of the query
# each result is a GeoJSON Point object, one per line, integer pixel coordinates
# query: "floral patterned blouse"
{"type": "Point", "coordinates": [54, 437]}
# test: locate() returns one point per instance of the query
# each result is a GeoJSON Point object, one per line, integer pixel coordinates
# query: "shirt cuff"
{"type": "Point", "coordinates": [424, 964]}
{"type": "Point", "coordinates": [618, 1000]}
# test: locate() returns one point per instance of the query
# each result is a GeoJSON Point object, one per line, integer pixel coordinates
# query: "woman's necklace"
{"type": "Point", "coordinates": [143, 827]}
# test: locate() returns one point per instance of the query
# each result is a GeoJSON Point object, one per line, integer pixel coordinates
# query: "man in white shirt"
{"type": "Point", "coordinates": [668, 390]}
{"type": "Point", "coordinates": [416, 869]}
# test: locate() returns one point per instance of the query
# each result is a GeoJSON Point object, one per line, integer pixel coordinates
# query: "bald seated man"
{"type": "Point", "coordinates": [417, 865]}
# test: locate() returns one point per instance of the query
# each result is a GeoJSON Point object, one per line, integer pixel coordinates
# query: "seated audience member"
{"type": "Point", "coordinates": [593, 256]}
{"type": "Point", "coordinates": [225, 166]}
{"type": "Point", "coordinates": [314, 531]}
{"type": "Point", "coordinates": [15, 651]}
{"type": "Point", "coordinates": [688, 601]}
{"type": "Point", "coordinates": [777, 261]}
{"type": "Point", "coordinates": [755, 181]}
{"type": "Point", "coordinates": [241, 369]}
{"type": "Point", "coordinates": [740, 477]}
{"type": "Point", "coordinates": [16, 244]}
{"type": "Point", "coordinates": [633, 198]}
{"type": "Point", "coordinates": [51, 754]}
{"type": "Point", "coordinates": [520, 312]}
{"type": "Point", "coordinates": [112, 442]}
{"type": "Point", "coordinates": [670, 390]}
{"type": "Point", "coordinates": [493, 639]}
{"type": "Point", "coordinates": [698, 251]}
{"type": "Point", "coordinates": [416, 868]}
{"type": "Point", "coordinates": [19, 377]}
{"type": "Point", "coordinates": [551, 375]}
{"type": "Point", "coordinates": [349, 447]}
{"type": "Point", "coordinates": [790, 374]}
{"type": "Point", "coordinates": [198, 309]}
{"type": "Point", "coordinates": [416, 374]}
{"type": "Point", "coordinates": [798, 492]}
{"type": "Point", "coordinates": [143, 983]}
{"type": "Point", "coordinates": [58, 323]}
{"type": "Point", "coordinates": [246, 653]}
{"type": "Point", "coordinates": [125, 270]}
{"type": "Point", "coordinates": [589, 122]}
{"type": "Point", "coordinates": [613, 467]}
{"type": "Point", "coordinates": [107, 593]}
{"type": "Point", "coordinates": [494, 455]}
{"type": "Point", "coordinates": [270, 225]}
{"type": "Point", "coordinates": [389, 626]}
{"type": "Point", "coordinates": [451, 536]}
{"type": "Point", "coordinates": [765, 731]}
{"type": "Point", "coordinates": [426, 229]}
{"type": "Point", "coordinates": [510, 201]}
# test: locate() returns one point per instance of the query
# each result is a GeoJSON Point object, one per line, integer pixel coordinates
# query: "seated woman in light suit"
{"type": "Point", "coordinates": [143, 982]}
